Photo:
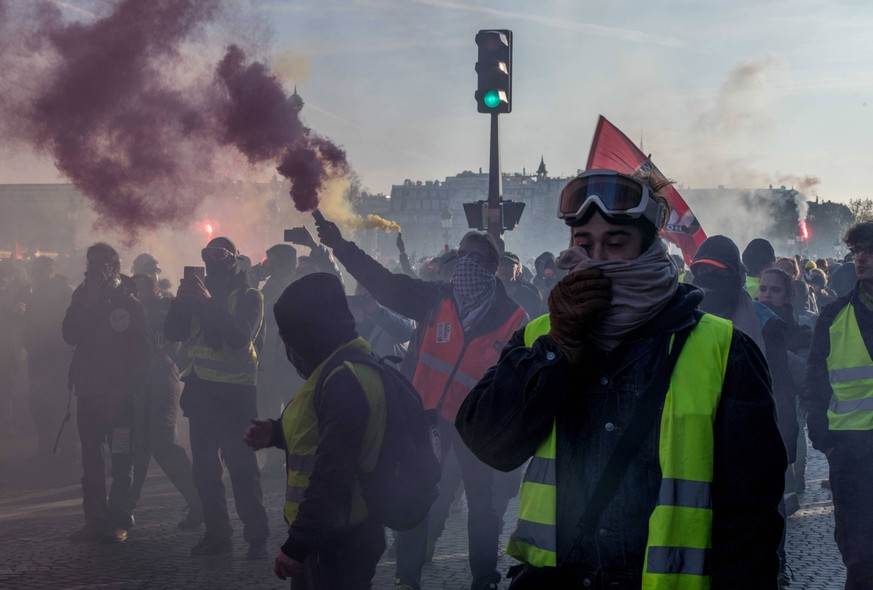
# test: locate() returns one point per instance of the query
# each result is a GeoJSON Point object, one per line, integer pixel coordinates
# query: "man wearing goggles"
{"type": "Point", "coordinates": [580, 393]}
{"type": "Point", "coordinates": [222, 319]}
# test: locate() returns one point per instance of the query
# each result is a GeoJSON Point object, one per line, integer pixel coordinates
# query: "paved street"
{"type": "Point", "coordinates": [37, 512]}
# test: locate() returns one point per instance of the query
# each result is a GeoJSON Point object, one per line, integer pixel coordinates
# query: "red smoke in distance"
{"type": "Point", "coordinates": [124, 116]}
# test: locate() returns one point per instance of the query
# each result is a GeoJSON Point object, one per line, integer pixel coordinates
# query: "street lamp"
{"type": "Point", "coordinates": [446, 222]}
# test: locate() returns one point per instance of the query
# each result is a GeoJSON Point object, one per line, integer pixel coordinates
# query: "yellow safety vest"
{"type": "Point", "coordinates": [850, 371]}
{"type": "Point", "coordinates": [680, 527]}
{"type": "Point", "coordinates": [753, 285]}
{"type": "Point", "coordinates": [225, 365]}
{"type": "Point", "coordinates": [300, 429]}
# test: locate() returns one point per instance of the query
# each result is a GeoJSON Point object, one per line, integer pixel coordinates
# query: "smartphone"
{"type": "Point", "coordinates": [194, 271]}
{"type": "Point", "coordinates": [298, 235]}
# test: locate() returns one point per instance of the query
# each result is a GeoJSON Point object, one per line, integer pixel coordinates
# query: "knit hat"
{"type": "Point", "coordinates": [315, 303]}
{"type": "Point", "coordinates": [720, 252]}
{"type": "Point", "coordinates": [758, 255]}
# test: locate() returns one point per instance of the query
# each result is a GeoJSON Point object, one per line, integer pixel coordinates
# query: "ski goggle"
{"type": "Point", "coordinates": [615, 194]}
{"type": "Point", "coordinates": [215, 254]}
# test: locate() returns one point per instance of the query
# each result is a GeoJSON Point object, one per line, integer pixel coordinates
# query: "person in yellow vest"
{"type": "Point", "coordinates": [222, 319]}
{"type": "Point", "coordinates": [463, 325]}
{"type": "Point", "coordinates": [839, 400]}
{"type": "Point", "coordinates": [330, 436]}
{"type": "Point", "coordinates": [651, 465]}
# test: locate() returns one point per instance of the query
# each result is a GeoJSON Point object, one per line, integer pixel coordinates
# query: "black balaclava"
{"type": "Point", "coordinates": [314, 320]}
{"type": "Point", "coordinates": [721, 291]}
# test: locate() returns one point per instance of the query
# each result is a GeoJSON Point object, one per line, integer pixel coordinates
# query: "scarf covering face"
{"type": "Point", "coordinates": [641, 288]}
{"type": "Point", "coordinates": [725, 297]}
{"type": "Point", "coordinates": [474, 289]}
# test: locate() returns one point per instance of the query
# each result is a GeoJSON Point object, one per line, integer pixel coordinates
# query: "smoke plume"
{"type": "Point", "coordinates": [132, 110]}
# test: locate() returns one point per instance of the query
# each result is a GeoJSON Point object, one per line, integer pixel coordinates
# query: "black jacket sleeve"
{"type": "Point", "coordinates": [343, 413]}
{"type": "Point", "coordinates": [217, 323]}
{"type": "Point", "coordinates": [407, 296]}
{"type": "Point", "coordinates": [748, 480]}
{"type": "Point", "coordinates": [503, 425]}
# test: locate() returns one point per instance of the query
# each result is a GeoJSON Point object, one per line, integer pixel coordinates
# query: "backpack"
{"type": "Point", "coordinates": [403, 485]}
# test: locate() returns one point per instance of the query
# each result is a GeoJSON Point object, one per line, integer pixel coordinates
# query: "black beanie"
{"type": "Point", "coordinates": [314, 309]}
{"type": "Point", "coordinates": [758, 255]}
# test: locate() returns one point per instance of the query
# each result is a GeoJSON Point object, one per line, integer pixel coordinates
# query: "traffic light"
{"type": "Point", "coordinates": [495, 71]}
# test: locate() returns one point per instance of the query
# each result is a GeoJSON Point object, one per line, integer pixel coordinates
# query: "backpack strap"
{"type": "Point", "coordinates": [338, 360]}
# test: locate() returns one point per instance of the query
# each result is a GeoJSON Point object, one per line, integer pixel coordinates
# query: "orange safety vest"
{"type": "Point", "coordinates": [449, 365]}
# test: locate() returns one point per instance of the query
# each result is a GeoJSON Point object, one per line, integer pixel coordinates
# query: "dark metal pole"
{"type": "Point", "coordinates": [495, 183]}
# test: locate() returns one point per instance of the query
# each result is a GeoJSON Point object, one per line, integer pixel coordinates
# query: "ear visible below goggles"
{"type": "Point", "coordinates": [615, 194]}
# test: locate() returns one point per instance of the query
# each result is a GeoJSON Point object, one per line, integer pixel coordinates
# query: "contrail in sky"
{"type": "Point", "coordinates": [559, 23]}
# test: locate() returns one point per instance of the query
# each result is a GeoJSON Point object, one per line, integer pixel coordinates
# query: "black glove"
{"type": "Point", "coordinates": [329, 234]}
{"type": "Point", "coordinates": [574, 301]}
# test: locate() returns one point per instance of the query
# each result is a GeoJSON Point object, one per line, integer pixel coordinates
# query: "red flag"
{"type": "Point", "coordinates": [612, 150]}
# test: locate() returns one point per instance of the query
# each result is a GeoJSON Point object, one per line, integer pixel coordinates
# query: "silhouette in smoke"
{"type": "Point", "coordinates": [133, 122]}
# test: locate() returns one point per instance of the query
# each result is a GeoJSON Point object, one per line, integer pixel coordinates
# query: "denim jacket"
{"type": "Point", "coordinates": [513, 407]}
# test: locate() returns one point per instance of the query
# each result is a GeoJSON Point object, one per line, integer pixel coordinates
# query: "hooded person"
{"type": "Point", "coordinates": [222, 319]}
{"type": "Point", "coordinates": [579, 392]}
{"type": "Point", "coordinates": [719, 272]}
{"type": "Point", "coordinates": [329, 436]}
{"type": "Point", "coordinates": [462, 326]}
{"type": "Point", "coordinates": [757, 256]}
{"type": "Point", "coordinates": [108, 327]}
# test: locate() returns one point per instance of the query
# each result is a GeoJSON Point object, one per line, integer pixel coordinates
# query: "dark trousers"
{"type": "Point", "coordinates": [851, 477]}
{"type": "Point", "coordinates": [159, 412]}
{"type": "Point", "coordinates": [217, 426]}
{"type": "Point", "coordinates": [483, 521]}
{"type": "Point", "coordinates": [99, 421]}
{"type": "Point", "coordinates": [345, 560]}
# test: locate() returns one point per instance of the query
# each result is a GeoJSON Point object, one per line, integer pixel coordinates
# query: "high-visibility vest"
{"type": "Point", "coordinates": [850, 371]}
{"type": "Point", "coordinates": [300, 430]}
{"type": "Point", "coordinates": [450, 365]}
{"type": "Point", "coordinates": [680, 527]}
{"type": "Point", "coordinates": [753, 285]}
{"type": "Point", "coordinates": [225, 365]}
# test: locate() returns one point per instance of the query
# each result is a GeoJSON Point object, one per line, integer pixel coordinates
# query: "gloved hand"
{"type": "Point", "coordinates": [574, 301]}
{"type": "Point", "coordinates": [329, 234]}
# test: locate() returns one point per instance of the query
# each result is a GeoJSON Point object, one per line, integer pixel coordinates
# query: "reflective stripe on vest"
{"type": "Point", "coordinates": [300, 430]}
{"type": "Point", "coordinates": [449, 365]}
{"type": "Point", "coordinates": [225, 365]}
{"type": "Point", "coordinates": [850, 371]}
{"type": "Point", "coordinates": [680, 527]}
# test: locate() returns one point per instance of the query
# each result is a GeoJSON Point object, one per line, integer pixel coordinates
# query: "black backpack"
{"type": "Point", "coordinates": [403, 485]}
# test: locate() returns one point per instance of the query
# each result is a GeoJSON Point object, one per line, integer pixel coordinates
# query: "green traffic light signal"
{"type": "Point", "coordinates": [491, 99]}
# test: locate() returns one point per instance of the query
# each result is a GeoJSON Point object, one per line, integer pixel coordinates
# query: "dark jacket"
{"type": "Point", "coordinates": [343, 412]}
{"type": "Point", "coordinates": [414, 298]}
{"type": "Point", "coordinates": [512, 409]}
{"type": "Point", "coordinates": [785, 390]}
{"type": "Point", "coordinates": [527, 296]}
{"type": "Point", "coordinates": [113, 343]}
{"type": "Point", "coordinates": [818, 392]}
{"type": "Point", "coordinates": [218, 326]}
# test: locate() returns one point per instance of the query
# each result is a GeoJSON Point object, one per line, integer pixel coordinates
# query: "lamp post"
{"type": "Point", "coordinates": [446, 222]}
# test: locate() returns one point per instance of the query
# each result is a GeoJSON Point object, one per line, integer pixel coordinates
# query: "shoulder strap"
{"type": "Point", "coordinates": [353, 356]}
{"type": "Point", "coordinates": [641, 423]}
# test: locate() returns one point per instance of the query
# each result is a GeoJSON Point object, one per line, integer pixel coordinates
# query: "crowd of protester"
{"type": "Point", "coordinates": [136, 351]}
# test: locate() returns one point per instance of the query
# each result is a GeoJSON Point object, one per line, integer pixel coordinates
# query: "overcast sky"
{"type": "Point", "coordinates": [741, 93]}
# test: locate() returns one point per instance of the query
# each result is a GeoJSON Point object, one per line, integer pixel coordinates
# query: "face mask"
{"type": "Point", "coordinates": [471, 283]}
{"type": "Point", "coordinates": [716, 282]}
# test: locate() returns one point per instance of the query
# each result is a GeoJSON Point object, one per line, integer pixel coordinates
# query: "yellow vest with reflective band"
{"type": "Point", "coordinates": [300, 429]}
{"type": "Point", "coordinates": [225, 365]}
{"type": "Point", "coordinates": [680, 527]}
{"type": "Point", "coordinates": [850, 371]}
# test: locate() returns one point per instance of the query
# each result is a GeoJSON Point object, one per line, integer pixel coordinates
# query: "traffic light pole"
{"type": "Point", "coordinates": [495, 183]}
